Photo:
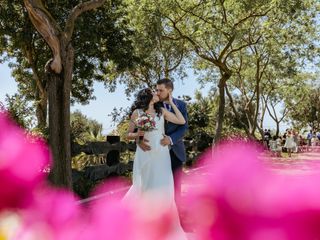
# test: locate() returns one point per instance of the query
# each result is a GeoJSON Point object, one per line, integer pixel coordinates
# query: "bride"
{"type": "Point", "coordinates": [152, 174]}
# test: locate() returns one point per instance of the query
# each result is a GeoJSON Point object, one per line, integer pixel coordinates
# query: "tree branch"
{"type": "Point", "coordinates": [241, 47]}
{"type": "Point", "coordinates": [221, 65]}
{"type": "Point", "coordinates": [48, 29]}
{"type": "Point", "coordinates": [263, 110]}
{"type": "Point", "coordinates": [224, 11]}
{"type": "Point", "coordinates": [77, 11]}
{"type": "Point", "coordinates": [211, 23]}
{"type": "Point", "coordinates": [194, 44]}
{"type": "Point", "coordinates": [285, 112]}
{"type": "Point", "coordinates": [274, 117]}
{"type": "Point", "coordinates": [226, 47]}
{"type": "Point", "coordinates": [235, 110]}
{"type": "Point", "coordinates": [177, 63]}
{"type": "Point", "coordinates": [251, 16]}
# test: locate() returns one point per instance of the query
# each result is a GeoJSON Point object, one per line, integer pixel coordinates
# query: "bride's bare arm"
{"type": "Point", "coordinates": [175, 117]}
{"type": "Point", "coordinates": [131, 134]}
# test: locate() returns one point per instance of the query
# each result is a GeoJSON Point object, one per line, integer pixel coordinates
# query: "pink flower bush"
{"type": "Point", "coordinates": [56, 211]}
{"type": "Point", "coordinates": [236, 196]}
{"type": "Point", "coordinates": [240, 198]}
{"type": "Point", "coordinates": [31, 209]}
{"type": "Point", "coordinates": [138, 218]}
{"type": "Point", "coordinates": [21, 162]}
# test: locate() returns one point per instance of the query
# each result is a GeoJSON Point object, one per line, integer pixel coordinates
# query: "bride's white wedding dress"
{"type": "Point", "coordinates": [152, 174]}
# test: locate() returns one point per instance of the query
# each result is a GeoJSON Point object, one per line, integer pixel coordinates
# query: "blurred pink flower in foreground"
{"type": "Point", "coordinates": [21, 162]}
{"type": "Point", "coordinates": [138, 218]}
{"type": "Point", "coordinates": [56, 211]}
{"type": "Point", "coordinates": [235, 197]}
{"type": "Point", "coordinates": [31, 209]}
{"type": "Point", "coordinates": [240, 198]}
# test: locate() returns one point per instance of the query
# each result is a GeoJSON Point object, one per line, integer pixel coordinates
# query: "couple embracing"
{"type": "Point", "coordinates": [161, 153]}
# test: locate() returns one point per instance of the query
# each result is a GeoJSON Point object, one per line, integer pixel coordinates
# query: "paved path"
{"type": "Point", "coordinates": [298, 163]}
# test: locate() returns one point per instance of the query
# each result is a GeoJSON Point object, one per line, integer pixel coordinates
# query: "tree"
{"type": "Point", "coordinates": [279, 94]}
{"type": "Point", "coordinates": [19, 41]}
{"type": "Point", "coordinates": [60, 35]}
{"type": "Point", "coordinates": [258, 77]}
{"type": "Point", "coordinates": [304, 108]}
{"type": "Point", "coordinates": [218, 30]}
{"type": "Point", "coordinates": [104, 44]}
{"type": "Point", "coordinates": [159, 57]}
{"type": "Point", "coordinates": [230, 23]}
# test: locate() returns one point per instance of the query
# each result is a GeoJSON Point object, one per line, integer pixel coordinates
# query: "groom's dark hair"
{"type": "Point", "coordinates": [166, 81]}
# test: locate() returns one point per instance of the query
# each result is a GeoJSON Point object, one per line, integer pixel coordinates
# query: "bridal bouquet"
{"type": "Point", "coordinates": [145, 122]}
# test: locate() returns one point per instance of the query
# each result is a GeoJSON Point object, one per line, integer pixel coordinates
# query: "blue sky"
{"type": "Point", "coordinates": [105, 101]}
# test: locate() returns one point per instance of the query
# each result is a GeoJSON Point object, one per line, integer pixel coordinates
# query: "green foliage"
{"type": "Point", "coordinates": [84, 129]}
{"type": "Point", "coordinates": [267, 46]}
{"type": "Point", "coordinates": [306, 112]}
{"type": "Point", "coordinates": [159, 56]}
{"type": "Point", "coordinates": [122, 130]}
{"type": "Point", "coordinates": [20, 111]}
{"type": "Point", "coordinates": [216, 31]}
{"type": "Point", "coordinates": [101, 38]}
{"type": "Point", "coordinates": [201, 113]}
{"type": "Point", "coordinates": [83, 160]}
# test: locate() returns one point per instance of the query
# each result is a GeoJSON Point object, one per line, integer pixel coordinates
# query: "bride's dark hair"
{"type": "Point", "coordinates": [143, 100]}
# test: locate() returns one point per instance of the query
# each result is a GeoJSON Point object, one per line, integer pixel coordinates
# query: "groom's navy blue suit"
{"type": "Point", "coordinates": [176, 132]}
{"type": "Point", "coordinates": [177, 149]}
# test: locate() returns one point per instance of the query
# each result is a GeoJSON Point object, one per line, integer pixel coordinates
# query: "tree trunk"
{"type": "Point", "coordinates": [59, 86]}
{"type": "Point", "coordinates": [264, 108]}
{"type": "Point", "coordinates": [221, 108]}
{"type": "Point", "coordinates": [59, 73]}
{"type": "Point", "coordinates": [249, 112]}
{"type": "Point", "coordinates": [41, 111]}
{"type": "Point", "coordinates": [236, 112]}
{"type": "Point", "coordinates": [278, 129]}
{"type": "Point", "coordinates": [261, 132]}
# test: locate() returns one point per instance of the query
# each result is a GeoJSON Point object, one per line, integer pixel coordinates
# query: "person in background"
{"type": "Point", "coordinates": [267, 137]}
{"type": "Point", "coordinates": [295, 139]}
{"type": "Point", "coordinates": [284, 136]}
{"type": "Point", "coordinates": [275, 146]}
{"type": "Point", "coordinates": [289, 144]}
{"type": "Point", "coordinates": [314, 139]}
{"type": "Point", "coordinates": [309, 137]}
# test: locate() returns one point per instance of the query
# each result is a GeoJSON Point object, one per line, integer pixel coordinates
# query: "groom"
{"type": "Point", "coordinates": [174, 133]}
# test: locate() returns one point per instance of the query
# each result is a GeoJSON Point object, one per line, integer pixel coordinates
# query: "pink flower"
{"type": "Point", "coordinates": [240, 198]}
{"type": "Point", "coordinates": [235, 196]}
{"type": "Point", "coordinates": [41, 212]}
{"type": "Point", "coordinates": [143, 218]}
{"type": "Point", "coordinates": [21, 164]}
{"type": "Point", "coordinates": [55, 214]}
